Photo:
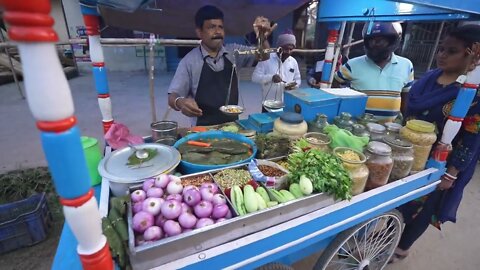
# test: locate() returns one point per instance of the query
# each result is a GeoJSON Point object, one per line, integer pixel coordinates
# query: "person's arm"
{"type": "Point", "coordinates": [178, 91]}
{"type": "Point", "coordinates": [342, 76]}
{"type": "Point", "coordinates": [406, 89]}
{"type": "Point", "coordinates": [260, 75]}
{"type": "Point", "coordinates": [297, 77]}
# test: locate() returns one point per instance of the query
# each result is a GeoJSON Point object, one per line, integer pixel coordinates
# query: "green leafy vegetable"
{"type": "Point", "coordinates": [325, 170]}
{"type": "Point", "coordinates": [134, 160]}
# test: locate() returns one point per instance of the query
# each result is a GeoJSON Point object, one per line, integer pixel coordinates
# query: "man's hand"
{"type": "Point", "coordinates": [189, 107]}
{"type": "Point", "coordinates": [290, 86]}
{"type": "Point", "coordinates": [276, 78]}
{"type": "Point", "coordinates": [313, 83]}
{"type": "Point", "coordinates": [261, 26]}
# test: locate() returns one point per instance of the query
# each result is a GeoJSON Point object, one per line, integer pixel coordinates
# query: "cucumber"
{"type": "Point", "coordinates": [261, 202]}
{"type": "Point", "coordinates": [306, 185]}
{"type": "Point", "coordinates": [271, 204]}
{"type": "Point", "coordinates": [249, 199]}
{"type": "Point", "coordinates": [238, 203]}
{"type": "Point", "coordinates": [278, 196]}
{"type": "Point", "coordinates": [287, 195]}
{"type": "Point", "coordinates": [263, 192]}
{"type": "Point", "coordinates": [295, 190]}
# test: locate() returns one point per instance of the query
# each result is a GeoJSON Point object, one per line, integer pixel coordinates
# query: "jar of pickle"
{"type": "Point", "coordinates": [318, 124]}
{"type": "Point", "coordinates": [393, 130]}
{"type": "Point", "coordinates": [354, 163]}
{"type": "Point", "coordinates": [360, 131]}
{"type": "Point", "coordinates": [402, 154]}
{"type": "Point", "coordinates": [291, 125]}
{"type": "Point", "coordinates": [377, 131]}
{"type": "Point", "coordinates": [367, 118]}
{"type": "Point", "coordinates": [344, 121]}
{"type": "Point", "coordinates": [379, 163]}
{"type": "Point", "coordinates": [422, 135]}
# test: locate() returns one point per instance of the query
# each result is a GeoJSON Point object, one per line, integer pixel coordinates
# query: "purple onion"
{"type": "Point", "coordinates": [212, 186]}
{"type": "Point", "coordinates": [219, 199]}
{"type": "Point", "coordinates": [174, 187]}
{"type": "Point", "coordinates": [153, 233]}
{"type": "Point", "coordinates": [186, 230]}
{"type": "Point", "coordinates": [160, 220]}
{"type": "Point", "coordinates": [219, 211]}
{"type": "Point", "coordinates": [229, 214]}
{"type": "Point", "coordinates": [155, 192]}
{"type": "Point", "coordinates": [203, 222]}
{"type": "Point", "coordinates": [203, 209]}
{"type": "Point", "coordinates": [138, 195]}
{"type": "Point", "coordinates": [172, 228]}
{"type": "Point", "coordinates": [192, 197]}
{"type": "Point", "coordinates": [148, 183]}
{"type": "Point", "coordinates": [141, 221]}
{"type": "Point", "coordinates": [220, 220]}
{"type": "Point", "coordinates": [207, 194]}
{"type": "Point", "coordinates": [175, 197]}
{"type": "Point", "coordinates": [186, 208]}
{"type": "Point", "coordinates": [162, 180]}
{"type": "Point", "coordinates": [152, 205]}
{"type": "Point", "coordinates": [137, 207]}
{"type": "Point", "coordinates": [187, 220]}
{"type": "Point", "coordinates": [139, 240]}
{"type": "Point", "coordinates": [171, 209]}
{"type": "Point", "coordinates": [190, 187]}
{"type": "Point", "coordinates": [174, 178]}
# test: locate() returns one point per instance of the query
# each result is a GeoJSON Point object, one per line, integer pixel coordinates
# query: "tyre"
{"type": "Point", "coordinates": [275, 266]}
{"type": "Point", "coordinates": [367, 246]}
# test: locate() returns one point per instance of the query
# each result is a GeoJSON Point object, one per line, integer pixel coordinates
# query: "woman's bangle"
{"type": "Point", "coordinates": [175, 104]}
{"type": "Point", "coordinates": [451, 176]}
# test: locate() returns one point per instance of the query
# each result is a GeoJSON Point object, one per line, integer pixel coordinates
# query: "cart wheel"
{"type": "Point", "coordinates": [367, 246]}
{"type": "Point", "coordinates": [275, 266]}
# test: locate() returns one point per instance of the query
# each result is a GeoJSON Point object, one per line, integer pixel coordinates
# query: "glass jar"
{"type": "Point", "coordinates": [291, 125]}
{"type": "Point", "coordinates": [402, 154]}
{"type": "Point", "coordinates": [344, 121]}
{"type": "Point", "coordinates": [354, 162]}
{"type": "Point", "coordinates": [367, 118]}
{"type": "Point", "coordinates": [379, 163]}
{"type": "Point", "coordinates": [318, 124]}
{"type": "Point", "coordinates": [318, 140]}
{"type": "Point", "coordinates": [393, 130]}
{"type": "Point", "coordinates": [377, 131]}
{"type": "Point", "coordinates": [422, 135]}
{"type": "Point", "coordinates": [360, 131]}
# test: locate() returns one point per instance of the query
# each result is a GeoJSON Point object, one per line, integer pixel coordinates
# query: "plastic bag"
{"type": "Point", "coordinates": [345, 138]}
{"type": "Point", "coordinates": [270, 182]}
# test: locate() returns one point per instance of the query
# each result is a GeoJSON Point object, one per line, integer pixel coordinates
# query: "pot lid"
{"type": "Point", "coordinates": [379, 148]}
{"type": "Point", "coordinates": [397, 142]}
{"type": "Point", "coordinates": [291, 118]}
{"type": "Point", "coordinates": [375, 128]}
{"type": "Point", "coordinates": [115, 168]}
{"type": "Point", "coordinates": [421, 126]}
{"type": "Point", "coordinates": [395, 127]}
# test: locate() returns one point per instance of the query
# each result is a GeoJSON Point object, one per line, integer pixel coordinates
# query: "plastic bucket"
{"type": "Point", "coordinates": [93, 157]}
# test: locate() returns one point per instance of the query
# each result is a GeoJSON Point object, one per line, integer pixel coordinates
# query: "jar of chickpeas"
{"type": "Point", "coordinates": [354, 163]}
{"type": "Point", "coordinates": [422, 135]}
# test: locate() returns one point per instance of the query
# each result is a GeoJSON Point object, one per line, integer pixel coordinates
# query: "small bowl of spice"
{"type": "Point", "coordinates": [318, 140]}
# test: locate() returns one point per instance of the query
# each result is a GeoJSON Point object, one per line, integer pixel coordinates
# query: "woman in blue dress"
{"type": "Point", "coordinates": [431, 99]}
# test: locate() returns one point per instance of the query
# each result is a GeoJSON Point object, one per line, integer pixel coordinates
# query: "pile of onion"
{"type": "Point", "coordinates": [164, 208]}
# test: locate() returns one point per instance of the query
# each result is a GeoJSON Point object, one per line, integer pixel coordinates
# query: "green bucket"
{"type": "Point", "coordinates": [93, 157]}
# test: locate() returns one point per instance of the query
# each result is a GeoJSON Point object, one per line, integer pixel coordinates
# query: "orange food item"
{"type": "Point", "coordinates": [197, 143]}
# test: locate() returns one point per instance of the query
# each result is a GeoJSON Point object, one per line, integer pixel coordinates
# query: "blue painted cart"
{"type": "Point", "coordinates": [352, 234]}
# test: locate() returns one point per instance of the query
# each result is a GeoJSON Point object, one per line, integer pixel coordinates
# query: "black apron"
{"type": "Point", "coordinates": [212, 93]}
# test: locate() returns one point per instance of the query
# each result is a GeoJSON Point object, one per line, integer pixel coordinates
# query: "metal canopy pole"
{"type": "Point", "coordinates": [12, 69]}
{"type": "Point", "coordinates": [338, 48]}
{"type": "Point", "coordinates": [151, 58]}
{"type": "Point", "coordinates": [349, 40]}
{"type": "Point", "coordinates": [435, 46]}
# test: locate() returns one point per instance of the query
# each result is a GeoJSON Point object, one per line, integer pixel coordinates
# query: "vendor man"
{"type": "Point", "coordinates": [200, 85]}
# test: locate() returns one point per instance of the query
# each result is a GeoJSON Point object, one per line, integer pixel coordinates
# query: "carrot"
{"type": "Point", "coordinates": [197, 143]}
{"type": "Point", "coordinates": [198, 129]}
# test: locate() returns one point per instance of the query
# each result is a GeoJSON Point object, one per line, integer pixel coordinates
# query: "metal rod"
{"type": "Point", "coordinates": [337, 51]}
{"type": "Point", "coordinates": [151, 58]}
{"type": "Point", "coordinates": [12, 69]}
{"type": "Point", "coordinates": [349, 40]}
{"type": "Point", "coordinates": [435, 46]}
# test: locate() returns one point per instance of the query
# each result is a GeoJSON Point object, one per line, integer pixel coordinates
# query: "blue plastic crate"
{"type": "Point", "coordinates": [24, 223]}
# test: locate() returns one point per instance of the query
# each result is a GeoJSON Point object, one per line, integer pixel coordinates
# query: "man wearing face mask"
{"type": "Point", "coordinates": [201, 82]}
{"type": "Point", "coordinates": [385, 77]}
{"type": "Point", "coordinates": [280, 72]}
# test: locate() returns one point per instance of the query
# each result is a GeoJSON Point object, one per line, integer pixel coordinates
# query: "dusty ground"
{"type": "Point", "coordinates": [456, 247]}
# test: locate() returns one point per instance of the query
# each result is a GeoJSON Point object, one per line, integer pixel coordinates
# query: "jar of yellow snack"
{"type": "Point", "coordinates": [422, 135]}
{"type": "Point", "coordinates": [354, 163]}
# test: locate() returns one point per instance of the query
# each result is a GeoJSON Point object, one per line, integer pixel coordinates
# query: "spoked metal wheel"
{"type": "Point", "coordinates": [367, 246]}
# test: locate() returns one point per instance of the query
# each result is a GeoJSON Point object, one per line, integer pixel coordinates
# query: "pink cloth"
{"type": "Point", "coordinates": [118, 136]}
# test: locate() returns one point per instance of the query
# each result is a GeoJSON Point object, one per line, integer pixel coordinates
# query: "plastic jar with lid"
{"type": "Point", "coordinates": [367, 118]}
{"type": "Point", "coordinates": [318, 140]}
{"type": "Point", "coordinates": [422, 135]}
{"type": "Point", "coordinates": [344, 121]}
{"type": "Point", "coordinates": [290, 124]}
{"type": "Point", "coordinates": [377, 131]}
{"type": "Point", "coordinates": [402, 154]}
{"type": "Point", "coordinates": [379, 163]}
{"type": "Point", "coordinates": [360, 130]}
{"type": "Point", "coordinates": [393, 130]}
{"type": "Point", "coordinates": [318, 124]}
{"type": "Point", "coordinates": [354, 163]}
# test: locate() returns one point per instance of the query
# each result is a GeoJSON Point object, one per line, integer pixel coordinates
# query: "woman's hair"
{"type": "Point", "coordinates": [469, 34]}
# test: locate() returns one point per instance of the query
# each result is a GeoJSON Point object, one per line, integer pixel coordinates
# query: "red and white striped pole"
{"type": "Point", "coordinates": [50, 101]}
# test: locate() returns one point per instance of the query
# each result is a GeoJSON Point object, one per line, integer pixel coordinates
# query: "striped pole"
{"type": "Point", "coordinates": [51, 104]}
{"type": "Point", "coordinates": [329, 54]}
{"type": "Point", "coordinates": [91, 19]}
